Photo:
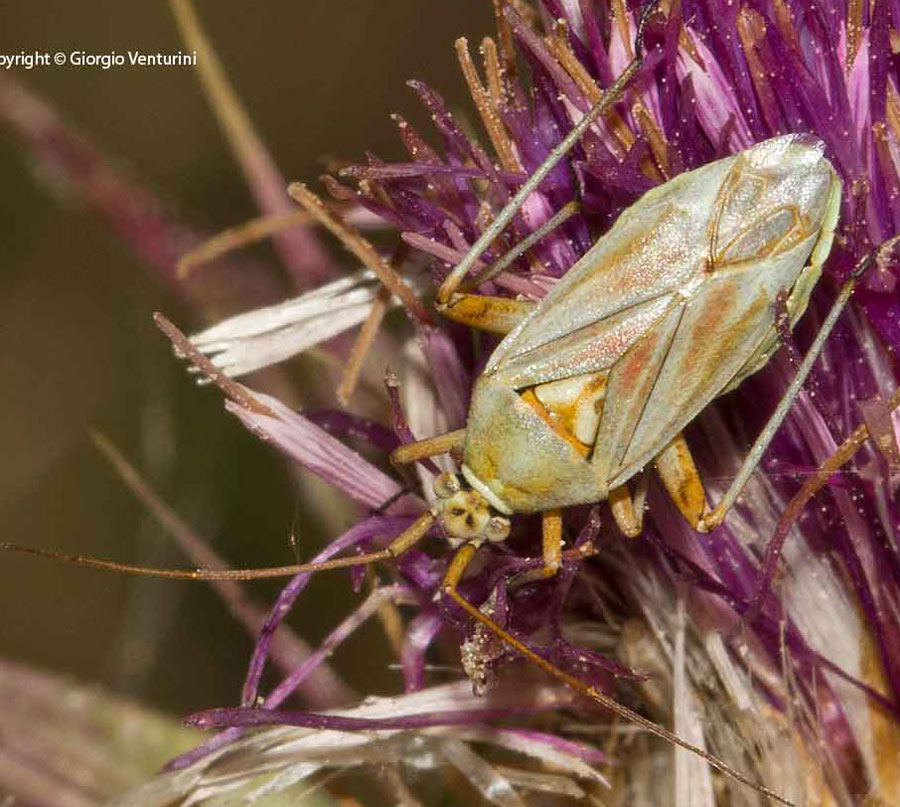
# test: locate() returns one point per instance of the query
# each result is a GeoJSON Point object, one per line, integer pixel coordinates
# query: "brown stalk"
{"type": "Point", "coordinates": [893, 109]}
{"type": "Point", "coordinates": [362, 346]}
{"type": "Point", "coordinates": [784, 19]}
{"type": "Point", "coordinates": [484, 103]}
{"type": "Point", "coordinates": [506, 40]}
{"type": "Point", "coordinates": [362, 249]}
{"type": "Point", "coordinates": [235, 237]}
{"type": "Point", "coordinates": [657, 169]}
{"type": "Point", "coordinates": [854, 28]}
{"type": "Point", "coordinates": [300, 250]}
{"type": "Point", "coordinates": [493, 71]}
{"type": "Point", "coordinates": [558, 43]}
{"type": "Point", "coordinates": [232, 389]}
{"type": "Point", "coordinates": [620, 20]}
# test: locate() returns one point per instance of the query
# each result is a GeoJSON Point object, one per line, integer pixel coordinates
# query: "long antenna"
{"type": "Point", "coordinates": [505, 216]}
{"type": "Point", "coordinates": [411, 535]}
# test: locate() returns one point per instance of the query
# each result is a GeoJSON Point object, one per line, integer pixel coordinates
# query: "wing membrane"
{"type": "Point", "coordinates": [677, 301]}
{"type": "Point", "coordinates": [591, 349]}
{"type": "Point", "coordinates": [657, 248]}
{"type": "Point", "coordinates": [717, 333]}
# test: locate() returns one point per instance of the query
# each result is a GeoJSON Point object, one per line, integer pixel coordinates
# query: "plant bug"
{"type": "Point", "coordinates": [544, 428]}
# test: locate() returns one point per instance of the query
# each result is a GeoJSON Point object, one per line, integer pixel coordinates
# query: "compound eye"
{"type": "Point", "coordinates": [497, 529]}
{"type": "Point", "coordinates": [446, 485]}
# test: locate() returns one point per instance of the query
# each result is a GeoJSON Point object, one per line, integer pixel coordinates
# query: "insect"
{"type": "Point", "coordinates": [674, 306]}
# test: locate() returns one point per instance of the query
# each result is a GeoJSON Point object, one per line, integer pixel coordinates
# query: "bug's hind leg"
{"type": "Point", "coordinates": [717, 516]}
{"type": "Point", "coordinates": [679, 474]}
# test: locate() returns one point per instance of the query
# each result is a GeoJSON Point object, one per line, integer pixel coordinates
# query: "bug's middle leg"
{"type": "Point", "coordinates": [628, 510]}
{"type": "Point", "coordinates": [551, 549]}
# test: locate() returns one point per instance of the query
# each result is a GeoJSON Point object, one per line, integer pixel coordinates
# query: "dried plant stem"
{"type": "Point", "coordinates": [235, 391]}
{"type": "Point", "coordinates": [493, 71]}
{"type": "Point", "coordinates": [362, 346]}
{"type": "Point", "coordinates": [362, 249]}
{"type": "Point", "coordinates": [300, 250]}
{"type": "Point", "coordinates": [657, 168]}
{"type": "Point", "coordinates": [240, 235]}
{"type": "Point", "coordinates": [486, 108]}
{"type": "Point", "coordinates": [506, 40]}
{"type": "Point", "coordinates": [558, 43]}
{"type": "Point", "coordinates": [325, 688]}
{"type": "Point", "coordinates": [232, 116]}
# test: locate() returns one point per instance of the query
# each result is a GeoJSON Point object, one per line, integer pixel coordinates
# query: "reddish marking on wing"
{"type": "Point", "coordinates": [625, 272]}
{"type": "Point", "coordinates": [719, 303]}
{"type": "Point", "coordinates": [713, 340]}
{"type": "Point", "coordinates": [593, 348]}
{"type": "Point", "coordinates": [635, 264]}
{"type": "Point", "coordinates": [634, 363]}
{"type": "Point", "coordinates": [634, 378]}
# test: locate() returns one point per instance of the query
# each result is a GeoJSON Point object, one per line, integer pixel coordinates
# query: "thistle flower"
{"type": "Point", "coordinates": [799, 689]}
{"type": "Point", "coordinates": [806, 693]}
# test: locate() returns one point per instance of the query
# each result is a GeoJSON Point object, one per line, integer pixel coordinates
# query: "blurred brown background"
{"type": "Point", "coordinates": [80, 352]}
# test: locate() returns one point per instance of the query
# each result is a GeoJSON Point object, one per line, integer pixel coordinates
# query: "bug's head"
{"type": "Point", "coordinates": [466, 515]}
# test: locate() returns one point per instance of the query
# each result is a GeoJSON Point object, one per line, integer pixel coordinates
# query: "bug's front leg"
{"type": "Point", "coordinates": [449, 588]}
{"type": "Point", "coordinates": [429, 447]}
{"type": "Point", "coordinates": [493, 314]}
